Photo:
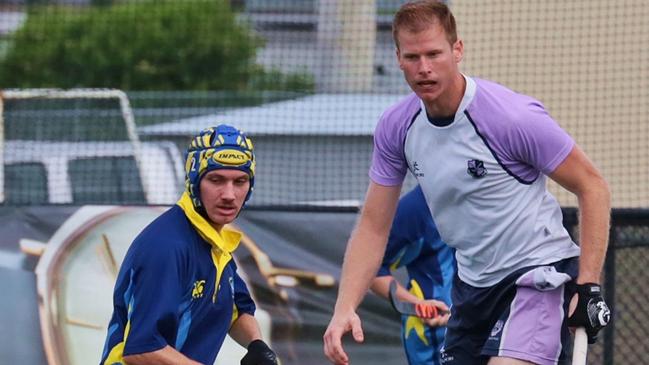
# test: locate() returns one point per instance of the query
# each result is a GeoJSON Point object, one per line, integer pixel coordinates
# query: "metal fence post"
{"type": "Point", "coordinates": [609, 291]}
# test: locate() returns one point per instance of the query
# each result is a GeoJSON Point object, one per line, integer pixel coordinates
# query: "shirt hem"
{"type": "Point", "coordinates": [563, 154]}
{"type": "Point", "coordinates": [143, 348]}
{"type": "Point", "coordinates": [385, 181]}
{"type": "Point", "coordinates": [526, 356]}
{"type": "Point", "coordinates": [500, 276]}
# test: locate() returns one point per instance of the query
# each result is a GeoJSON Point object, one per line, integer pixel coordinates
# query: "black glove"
{"type": "Point", "coordinates": [591, 312]}
{"type": "Point", "coordinates": [259, 354]}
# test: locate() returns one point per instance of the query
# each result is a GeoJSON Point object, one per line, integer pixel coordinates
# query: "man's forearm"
{"type": "Point", "coordinates": [381, 287]}
{"type": "Point", "coordinates": [367, 245]}
{"type": "Point", "coordinates": [165, 356]}
{"type": "Point", "coordinates": [594, 220]}
{"type": "Point", "coordinates": [362, 260]}
{"type": "Point", "coordinates": [245, 330]}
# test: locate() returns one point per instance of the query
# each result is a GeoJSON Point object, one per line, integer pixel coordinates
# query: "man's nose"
{"type": "Point", "coordinates": [425, 66]}
{"type": "Point", "coordinates": [228, 191]}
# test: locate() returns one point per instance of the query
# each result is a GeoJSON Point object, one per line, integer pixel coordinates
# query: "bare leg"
{"type": "Point", "coordinates": [507, 361]}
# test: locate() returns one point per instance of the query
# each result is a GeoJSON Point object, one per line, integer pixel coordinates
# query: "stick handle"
{"type": "Point", "coordinates": [580, 347]}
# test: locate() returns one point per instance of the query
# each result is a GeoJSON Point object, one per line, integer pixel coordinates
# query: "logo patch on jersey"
{"type": "Point", "coordinates": [199, 289]}
{"type": "Point", "coordinates": [476, 168]}
{"type": "Point", "coordinates": [444, 356]}
{"type": "Point", "coordinates": [416, 171]}
{"type": "Point", "coordinates": [497, 328]}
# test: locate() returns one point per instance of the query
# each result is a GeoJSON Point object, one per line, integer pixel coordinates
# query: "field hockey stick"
{"type": "Point", "coordinates": [580, 347]}
{"type": "Point", "coordinates": [420, 310]}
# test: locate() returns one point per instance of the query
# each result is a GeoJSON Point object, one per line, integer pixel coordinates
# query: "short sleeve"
{"type": "Point", "coordinates": [153, 298]}
{"type": "Point", "coordinates": [242, 299]}
{"type": "Point", "coordinates": [389, 164]}
{"type": "Point", "coordinates": [539, 141]}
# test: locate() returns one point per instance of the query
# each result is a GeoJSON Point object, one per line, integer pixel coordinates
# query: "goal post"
{"type": "Point", "coordinates": [26, 95]}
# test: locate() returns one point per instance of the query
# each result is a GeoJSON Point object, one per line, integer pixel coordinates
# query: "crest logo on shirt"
{"type": "Point", "coordinates": [199, 289]}
{"type": "Point", "coordinates": [476, 168]}
{"type": "Point", "coordinates": [497, 328]}
{"type": "Point", "coordinates": [444, 356]}
{"type": "Point", "coordinates": [416, 171]}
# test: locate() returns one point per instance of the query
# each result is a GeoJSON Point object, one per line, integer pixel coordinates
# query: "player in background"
{"type": "Point", "coordinates": [481, 154]}
{"type": "Point", "coordinates": [415, 245]}
{"type": "Point", "coordinates": [178, 292]}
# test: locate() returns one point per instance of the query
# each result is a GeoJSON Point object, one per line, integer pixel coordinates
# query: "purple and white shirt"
{"type": "Point", "coordinates": [483, 176]}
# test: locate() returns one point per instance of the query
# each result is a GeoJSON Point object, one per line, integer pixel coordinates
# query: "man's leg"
{"type": "Point", "coordinates": [531, 329]}
{"type": "Point", "coordinates": [507, 361]}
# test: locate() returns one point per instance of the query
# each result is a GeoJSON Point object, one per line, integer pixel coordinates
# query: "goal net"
{"type": "Point", "coordinates": [64, 146]}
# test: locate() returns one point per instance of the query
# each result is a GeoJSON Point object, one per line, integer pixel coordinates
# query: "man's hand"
{"type": "Point", "coordinates": [443, 313]}
{"type": "Point", "coordinates": [591, 312]}
{"type": "Point", "coordinates": [339, 325]}
{"type": "Point", "coordinates": [259, 354]}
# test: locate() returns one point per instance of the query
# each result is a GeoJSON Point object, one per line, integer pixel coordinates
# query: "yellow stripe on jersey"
{"type": "Point", "coordinates": [116, 355]}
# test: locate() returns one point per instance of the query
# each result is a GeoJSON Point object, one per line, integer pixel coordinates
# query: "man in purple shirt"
{"type": "Point", "coordinates": [481, 154]}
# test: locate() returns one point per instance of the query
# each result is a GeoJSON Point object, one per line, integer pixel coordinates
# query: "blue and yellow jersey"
{"type": "Point", "coordinates": [415, 244]}
{"type": "Point", "coordinates": [178, 286]}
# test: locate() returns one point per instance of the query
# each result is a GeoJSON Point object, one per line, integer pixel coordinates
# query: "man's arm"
{"type": "Point", "coordinates": [578, 175]}
{"type": "Point", "coordinates": [245, 329]}
{"type": "Point", "coordinates": [362, 259]}
{"type": "Point", "coordinates": [381, 286]}
{"type": "Point", "coordinates": [165, 356]}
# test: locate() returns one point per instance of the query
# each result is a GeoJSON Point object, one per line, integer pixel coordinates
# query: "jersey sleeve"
{"type": "Point", "coordinates": [243, 302]}
{"type": "Point", "coordinates": [539, 141]}
{"type": "Point", "coordinates": [388, 159]}
{"type": "Point", "coordinates": [153, 297]}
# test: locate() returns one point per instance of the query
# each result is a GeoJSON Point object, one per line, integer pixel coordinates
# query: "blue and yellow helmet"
{"type": "Point", "coordinates": [220, 147]}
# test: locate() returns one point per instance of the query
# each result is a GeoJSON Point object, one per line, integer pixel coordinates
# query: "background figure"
{"type": "Point", "coordinates": [178, 292]}
{"type": "Point", "coordinates": [415, 244]}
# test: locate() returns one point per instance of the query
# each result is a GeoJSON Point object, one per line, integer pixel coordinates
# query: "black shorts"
{"type": "Point", "coordinates": [523, 317]}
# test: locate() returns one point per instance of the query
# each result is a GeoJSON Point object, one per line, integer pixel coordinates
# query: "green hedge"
{"type": "Point", "coordinates": [140, 45]}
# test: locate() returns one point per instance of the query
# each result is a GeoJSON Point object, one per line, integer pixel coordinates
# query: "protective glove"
{"type": "Point", "coordinates": [591, 312]}
{"type": "Point", "coordinates": [259, 354]}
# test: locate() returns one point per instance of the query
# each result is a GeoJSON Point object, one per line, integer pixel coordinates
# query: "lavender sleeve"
{"type": "Point", "coordinates": [519, 130]}
{"type": "Point", "coordinates": [540, 141]}
{"type": "Point", "coordinates": [389, 164]}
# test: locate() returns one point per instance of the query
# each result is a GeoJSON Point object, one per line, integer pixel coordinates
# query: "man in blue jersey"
{"type": "Point", "coordinates": [481, 154]}
{"type": "Point", "coordinates": [414, 243]}
{"type": "Point", "coordinates": [178, 293]}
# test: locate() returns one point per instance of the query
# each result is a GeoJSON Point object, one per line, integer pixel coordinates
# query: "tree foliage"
{"type": "Point", "coordinates": [139, 45]}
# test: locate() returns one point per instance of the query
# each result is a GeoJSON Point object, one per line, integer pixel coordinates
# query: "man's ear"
{"type": "Point", "coordinates": [458, 50]}
{"type": "Point", "coordinates": [398, 53]}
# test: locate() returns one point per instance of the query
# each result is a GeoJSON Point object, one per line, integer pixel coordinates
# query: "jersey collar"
{"type": "Point", "coordinates": [226, 241]}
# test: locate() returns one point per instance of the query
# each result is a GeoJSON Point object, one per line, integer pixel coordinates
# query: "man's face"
{"type": "Point", "coordinates": [429, 63]}
{"type": "Point", "coordinates": [223, 193]}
